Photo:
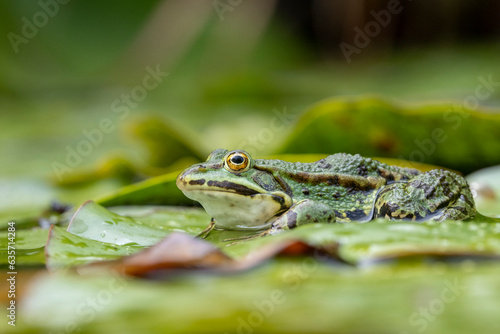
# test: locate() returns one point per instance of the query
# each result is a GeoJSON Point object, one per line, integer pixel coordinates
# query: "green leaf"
{"type": "Point", "coordinates": [143, 226]}
{"type": "Point", "coordinates": [96, 233]}
{"type": "Point", "coordinates": [94, 222]}
{"type": "Point", "coordinates": [167, 218]}
{"type": "Point", "coordinates": [65, 249]}
{"type": "Point", "coordinates": [381, 238]}
{"type": "Point", "coordinates": [28, 245]}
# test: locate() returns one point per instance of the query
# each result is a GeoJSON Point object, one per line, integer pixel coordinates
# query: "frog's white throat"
{"type": "Point", "coordinates": [233, 211]}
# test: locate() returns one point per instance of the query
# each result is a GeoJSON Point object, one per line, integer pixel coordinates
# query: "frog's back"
{"type": "Point", "coordinates": [347, 183]}
{"type": "Point", "coordinates": [342, 164]}
{"type": "Point", "coordinates": [348, 164]}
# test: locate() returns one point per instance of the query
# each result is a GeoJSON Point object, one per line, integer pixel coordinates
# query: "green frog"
{"type": "Point", "coordinates": [242, 193]}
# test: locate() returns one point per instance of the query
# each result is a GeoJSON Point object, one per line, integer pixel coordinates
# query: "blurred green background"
{"type": "Point", "coordinates": [229, 65]}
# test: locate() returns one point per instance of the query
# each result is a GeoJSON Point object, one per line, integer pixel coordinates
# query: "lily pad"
{"type": "Point", "coordinates": [360, 242]}
{"type": "Point", "coordinates": [96, 234]}
{"type": "Point", "coordinates": [28, 246]}
{"type": "Point", "coordinates": [94, 222]}
{"type": "Point", "coordinates": [139, 225]}
{"type": "Point", "coordinates": [65, 249]}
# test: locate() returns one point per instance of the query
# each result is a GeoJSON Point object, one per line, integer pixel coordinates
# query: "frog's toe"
{"type": "Point", "coordinates": [463, 208]}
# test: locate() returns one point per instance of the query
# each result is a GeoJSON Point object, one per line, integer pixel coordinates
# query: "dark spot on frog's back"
{"type": "Point", "coordinates": [428, 189]}
{"type": "Point", "coordinates": [197, 182]}
{"type": "Point", "coordinates": [305, 191]}
{"type": "Point", "coordinates": [332, 181]}
{"type": "Point", "coordinates": [362, 171]}
{"type": "Point", "coordinates": [323, 164]}
{"type": "Point", "coordinates": [386, 209]}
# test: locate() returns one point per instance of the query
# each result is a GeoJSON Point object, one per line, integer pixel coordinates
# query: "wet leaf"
{"type": "Point", "coordinates": [351, 242]}
{"type": "Point", "coordinates": [92, 221]}
{"type": "Point", "coordinates": [140, 225]}
{"type": "Point", "coordinates": [180, 251]}
{"type": "Point", "coordinates": [134, 228]}
{"type": "Point", "coordinates": [177, 251]}
{"type": "Point", "coordinates": [167, 218]}
{"type": "Point", "coordinates": [381, 238]}
{"type": "Point", "coordinates": [28, 246]}
{"type": "Point", "coordinates": [65, 249]}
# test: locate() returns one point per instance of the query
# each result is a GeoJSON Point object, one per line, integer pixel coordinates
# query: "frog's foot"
{"type": "Point", "coordinates": [433, 195]}
{"type": "Point", "coordinates": [302, 213]}
{"type": "Point", "coordinates": [203, 234]}
{"type": "Point", "coordinates": [462, 209]}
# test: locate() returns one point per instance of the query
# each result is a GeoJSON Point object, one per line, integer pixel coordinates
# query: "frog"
{"type": "Point", "coordinates": [271, 195]}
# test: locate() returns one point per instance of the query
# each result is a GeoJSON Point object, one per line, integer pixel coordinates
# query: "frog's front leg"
{"type": "Point", "coordinates": [302, 213]}
{"type": "Point", "coordinates": [433, 195]}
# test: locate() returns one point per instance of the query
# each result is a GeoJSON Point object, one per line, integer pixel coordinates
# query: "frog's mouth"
{"type": "Point", "coordinates": [186, 184]}
{"type": "Point", "coordinates": [235, 211]}
{"type": "Point", "coordinates": [235, 206]}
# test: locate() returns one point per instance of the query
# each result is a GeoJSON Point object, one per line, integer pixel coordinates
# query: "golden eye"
{"type": "Point", "coordinates": [237, 162]}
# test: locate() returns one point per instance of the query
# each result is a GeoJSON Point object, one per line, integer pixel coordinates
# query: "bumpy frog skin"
{"type": "Point", "coordinates": [241, 193]}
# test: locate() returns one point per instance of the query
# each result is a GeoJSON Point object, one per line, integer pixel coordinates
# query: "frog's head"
{"type": "Point", "coordinates": [234, 191]}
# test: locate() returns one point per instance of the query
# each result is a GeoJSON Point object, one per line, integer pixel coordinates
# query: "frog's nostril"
{"type": "Point", "coordinates": [182, 176]}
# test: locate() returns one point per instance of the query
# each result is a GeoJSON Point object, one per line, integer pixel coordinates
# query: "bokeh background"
{"type": "Point", "coordinates": [229, 65]}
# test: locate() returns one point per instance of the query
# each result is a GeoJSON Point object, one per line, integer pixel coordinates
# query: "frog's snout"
{"type": "Point", "coordinates": [186, 178]}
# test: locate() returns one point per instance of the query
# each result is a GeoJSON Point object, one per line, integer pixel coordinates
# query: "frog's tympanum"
{"type": "Point", "coordinates": [242, 193]}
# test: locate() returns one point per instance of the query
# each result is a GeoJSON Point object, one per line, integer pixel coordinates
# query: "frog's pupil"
{"type": "Point", "coordinates": [237, 159]}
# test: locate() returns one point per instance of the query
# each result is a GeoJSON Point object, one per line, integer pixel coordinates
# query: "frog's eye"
{"type": "Point", "coordinates": [237, 162]}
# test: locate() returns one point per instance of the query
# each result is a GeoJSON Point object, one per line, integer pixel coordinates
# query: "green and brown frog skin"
{"type": "Point", "coordinates": [242, 193]}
